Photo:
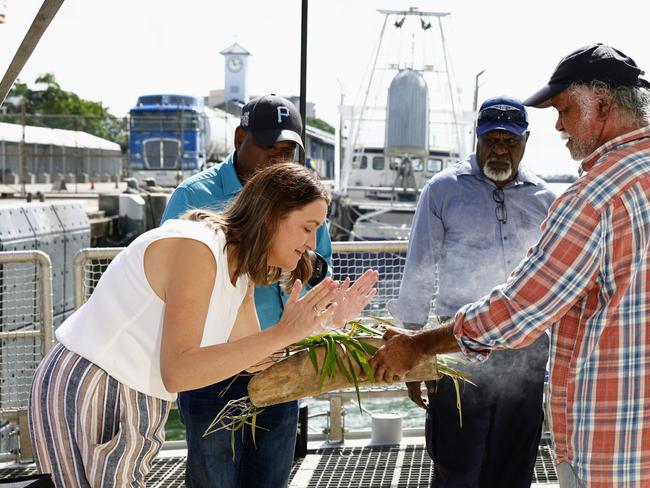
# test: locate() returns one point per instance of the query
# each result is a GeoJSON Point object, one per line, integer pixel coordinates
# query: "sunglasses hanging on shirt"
{"type": "Point", "coordinates": [500, 210]}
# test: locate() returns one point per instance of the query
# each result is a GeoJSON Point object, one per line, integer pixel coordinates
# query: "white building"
{"type": "Point", "coordinates": [54, 154]}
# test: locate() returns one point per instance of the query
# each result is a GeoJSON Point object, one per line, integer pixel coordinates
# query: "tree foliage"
{"type": "Point", "coordinates": [51, 106]}
{"type": "Point", "coordinates": [320, 124]}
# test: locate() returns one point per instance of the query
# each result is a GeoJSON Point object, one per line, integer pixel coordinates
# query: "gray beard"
{"type": "Point", "coordinates": [580, 151]}
{"type": "Point", "coordinates": [497, 174]}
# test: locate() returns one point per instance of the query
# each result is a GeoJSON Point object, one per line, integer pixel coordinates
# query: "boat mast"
{"type": "Point", "coordinates": [475, 107]}
{"type": "Point", "coordinates": [354, 132]}
{"type": "Point", "coordinates": [459, 140]}
{"type": "Point", "coordinates": [355, 121]}
{"type": "Point", "coordinates": [414, 11]}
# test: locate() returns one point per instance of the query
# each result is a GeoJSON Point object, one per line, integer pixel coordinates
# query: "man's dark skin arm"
{"type": "Point", "coordinates": [403, 351]}
{"type": "Point", "coordinates": [414, 390]}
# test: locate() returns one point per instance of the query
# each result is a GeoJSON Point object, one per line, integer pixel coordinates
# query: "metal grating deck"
{"type": "Point", "coordinates": [167, 472]}
{"type": "Point", "coordinates": [359, 467]}
{"type": "Point", "coordinates": [405, 466]}
{"type": "Point", "coordinates": [417, 468]}
{"type": "Point", "coordinates": [545, 464]}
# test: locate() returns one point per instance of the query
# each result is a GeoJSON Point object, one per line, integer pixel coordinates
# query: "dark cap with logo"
{"type": "Point", "coordinates": [597, 62]}
{"type": "Point", "coordinates": [272, 119]}
{"type": "Point", "coordinates": [502, 113]}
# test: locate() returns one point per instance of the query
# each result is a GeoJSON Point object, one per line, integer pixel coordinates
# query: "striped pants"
{"type": "Point", "coordinates": [88, 429]}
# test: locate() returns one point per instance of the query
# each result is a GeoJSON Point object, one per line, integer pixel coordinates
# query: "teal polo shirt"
{"type": "Point", "coordinates": [213, 189]}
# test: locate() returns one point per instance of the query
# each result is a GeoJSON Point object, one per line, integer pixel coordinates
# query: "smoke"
{"type": "Point", "coordinates": [469, 267]}
{"type": "Point", "coordinates": [510, 374]}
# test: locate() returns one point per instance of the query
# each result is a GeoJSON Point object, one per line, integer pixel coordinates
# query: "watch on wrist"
{"type": "Point", "coordinates": [320, 270]}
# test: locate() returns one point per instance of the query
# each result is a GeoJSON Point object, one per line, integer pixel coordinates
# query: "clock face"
{"type": "Point", "coordinates": [234, 64]}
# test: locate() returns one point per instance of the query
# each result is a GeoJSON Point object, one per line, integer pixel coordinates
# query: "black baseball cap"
{"type": "Point", "coordinates": [272, 119]}
{"type": "Point", "coordinates": [597, 62]}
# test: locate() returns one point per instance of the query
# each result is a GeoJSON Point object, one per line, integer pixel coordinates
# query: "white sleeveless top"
{"type": "Point", "coordinates": [119, 328]}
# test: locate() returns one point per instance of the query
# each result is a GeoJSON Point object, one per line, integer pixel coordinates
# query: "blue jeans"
{"type": "Point", "coordinates": [265, 463]}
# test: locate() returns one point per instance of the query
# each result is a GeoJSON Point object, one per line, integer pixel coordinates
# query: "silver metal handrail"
{"type": "Point", "coordinates": [108, 253]}
{"type": "Point", "coordinates": [80, 260]}
{"type": "Point", "coordinates": [45, 285]}
{"type": "Point", "coordinates": [18, 413]}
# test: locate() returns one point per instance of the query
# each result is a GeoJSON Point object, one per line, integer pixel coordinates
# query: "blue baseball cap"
{"type": "Point", "coordinates": [502, 113]}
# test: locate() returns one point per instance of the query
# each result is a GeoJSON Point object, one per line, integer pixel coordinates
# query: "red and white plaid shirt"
{"type": "Point", "coordinates": [588, 279]}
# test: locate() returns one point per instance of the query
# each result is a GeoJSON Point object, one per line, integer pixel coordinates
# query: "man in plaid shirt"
{"type": "Point", "coordinates": [587, 279]}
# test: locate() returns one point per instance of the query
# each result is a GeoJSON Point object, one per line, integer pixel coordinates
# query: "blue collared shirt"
{"type": "Point", "coordinates": [213, 189]}
{"type": "Point", "coordinates": [458, 249]}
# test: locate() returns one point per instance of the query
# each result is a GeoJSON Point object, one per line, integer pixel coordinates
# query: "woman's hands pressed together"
{"type": "Point", "coordinates": [304, 314]}
{"type": "Point", "coordinates": [351, 300]}
{"type": "Point", "coordinates": [328, 304]}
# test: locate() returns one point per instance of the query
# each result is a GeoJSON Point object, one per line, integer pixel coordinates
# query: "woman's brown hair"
{"type": "Point", "coordinates": [251, 220]}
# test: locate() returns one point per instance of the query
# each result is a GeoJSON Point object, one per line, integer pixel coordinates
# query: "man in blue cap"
{"type": "Point", "coordinates": [269, 133]}
{"type": "Point", "coordinates": [474, 223]}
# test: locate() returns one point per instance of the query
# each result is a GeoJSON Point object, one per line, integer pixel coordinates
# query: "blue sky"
{"type": "Point", "coordinates": [112, 51]}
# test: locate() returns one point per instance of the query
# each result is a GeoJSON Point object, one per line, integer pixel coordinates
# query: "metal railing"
{"type": "Point", "coordinates": [26, 334]}
{"type": "Point", "coordinates": [348, 259]}
{"type": "Point", "coordinates": [89, 265]}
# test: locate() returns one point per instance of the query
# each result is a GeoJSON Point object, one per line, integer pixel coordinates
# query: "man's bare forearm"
{"type": "Point", "coordinates": [403, 351]}
{"type": "Point", "coordinates": [439, 340]}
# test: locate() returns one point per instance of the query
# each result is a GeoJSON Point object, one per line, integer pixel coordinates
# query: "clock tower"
{"type": "Point", "coordinates": [235, 86]}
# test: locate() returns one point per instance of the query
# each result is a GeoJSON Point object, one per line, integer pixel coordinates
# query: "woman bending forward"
{"type": "Point", "coordinates": [174, 311]}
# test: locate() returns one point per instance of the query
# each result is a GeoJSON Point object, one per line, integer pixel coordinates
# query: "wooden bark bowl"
{"type": "Point", "coordinates": [295, 377]}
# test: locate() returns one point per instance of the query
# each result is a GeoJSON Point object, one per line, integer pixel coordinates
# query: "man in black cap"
{"type": "Point", "coordinates": [599, 95]}
{"type": "Point", "coordinates": [269, 133]}
{"type": "Point", "coordinates": [587, 280]}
